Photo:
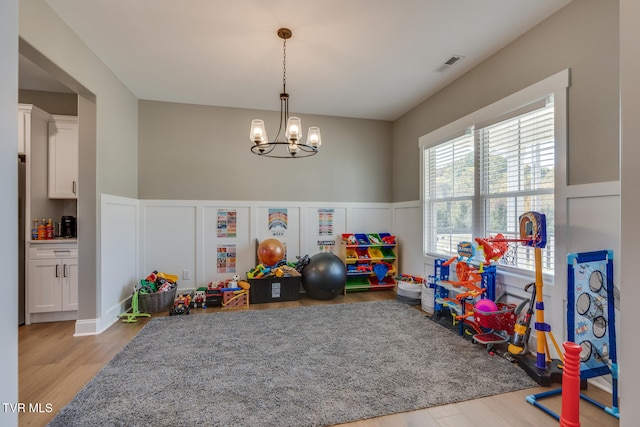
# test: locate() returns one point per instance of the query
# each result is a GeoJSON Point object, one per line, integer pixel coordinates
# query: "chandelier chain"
{"type": "Point", "coordinates": [284, 66]}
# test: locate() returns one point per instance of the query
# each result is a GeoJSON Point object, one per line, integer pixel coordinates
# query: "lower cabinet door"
{"type": "Point", "coordinates": [69, 284]}
{"type": "Point", "coordinates": [45, 285]}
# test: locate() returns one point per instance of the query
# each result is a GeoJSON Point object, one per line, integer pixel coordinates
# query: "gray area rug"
{"type": "Point", "coordinates": [305, 366]}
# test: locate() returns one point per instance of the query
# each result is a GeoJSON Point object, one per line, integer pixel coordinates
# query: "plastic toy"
{"type": "Point", "coordinates": [258, 272]}
{"type": "Point", "coordinates": [181, 305]}
{"type": "Point", "coordinates": [591, 324]}
{"type": "Point", "coordinates": [135, 313]}
{"type": "Point", "coordinates": [493, 247]}
{"type": "Point", "coordinates": [375, 240]}
{"type": "Point", "coordinates": [389, 240]}
{"type": "Point", "coordinates": [522, 330]}
{"type": "Point", "coordinates": [486, 305]}
{"type": "Point", "coordinates": [533, 233]}
{"type": "Point", "coordinates": [233, 283]}
{"type": "Point", "coordinates": [214, 294]}
{"type": "Point", "coordinates": [496, 319]}
{"type": "Point", "coordinates": [409, 278]}
{"type": "Point", "coordinates": [270, 252]}
{"type": "Point", "coordinates": [381, 269]}
{"type": "Point", "coordinates": [199, 297]}
{"type": "Point", "coordinates": [236, 297]}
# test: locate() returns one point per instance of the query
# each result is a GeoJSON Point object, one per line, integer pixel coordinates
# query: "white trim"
{"type": "Point", "coordinates": [598, 189]}
{"type": "Point", "coordinates": [535, 92]}
{"type": "Point", "coordinates": [88, 327]}
{"type": "Point", "coordinates": [258, 204]}
{"type": "Point", "coordinates": [556, 84]}
{"type": "Point", "coordinates": [109, 309]}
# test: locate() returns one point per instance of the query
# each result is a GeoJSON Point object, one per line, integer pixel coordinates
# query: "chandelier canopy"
{"type": "Point", "coordinates": [291, 147]}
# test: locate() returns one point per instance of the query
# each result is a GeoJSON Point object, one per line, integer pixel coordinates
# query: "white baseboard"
{"type": "Point", "coordinates": [87, 327]}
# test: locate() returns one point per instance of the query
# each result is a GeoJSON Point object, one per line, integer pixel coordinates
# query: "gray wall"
{"type": "Point", "coordinates": [9, 206]}
{"type": "Point", "coordinates": [51, 102]}
{"type": "Point", "coordinates": [583, 37]}
{"type": "Point", "coordinates": [193, 152]}
{"type": "Point", "coordinates": [117, 109]}
{"type": "Point", "coordinates": [108, 129]}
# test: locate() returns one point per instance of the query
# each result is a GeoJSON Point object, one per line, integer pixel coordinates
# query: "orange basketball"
{"type": "Point", "coordinates": [270, 252]}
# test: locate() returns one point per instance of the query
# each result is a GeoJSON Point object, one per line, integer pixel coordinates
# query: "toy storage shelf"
{"type": "Point", "coordinates": [363, 254]}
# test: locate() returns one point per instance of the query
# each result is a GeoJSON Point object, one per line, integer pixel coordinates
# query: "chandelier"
{"type": "Point", "coordinates": [291, 146]}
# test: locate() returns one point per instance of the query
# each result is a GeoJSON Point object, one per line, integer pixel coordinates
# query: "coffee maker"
{"type": "Point", "coordinates": [68, 227]}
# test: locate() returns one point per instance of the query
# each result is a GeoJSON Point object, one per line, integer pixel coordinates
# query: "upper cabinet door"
{"type": "Point", "coordinates": [63, 158]}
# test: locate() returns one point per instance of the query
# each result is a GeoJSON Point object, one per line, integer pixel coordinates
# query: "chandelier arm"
{"type": "Point", "coordinates": [306, 151]}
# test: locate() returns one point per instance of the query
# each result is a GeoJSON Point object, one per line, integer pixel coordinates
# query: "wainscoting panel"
{"type": "Point", "coordinates": [369, 219]}
{"type": "Point", "coordinates": [169, 241]}
{"type": "Point", "coordinates": [322, 228]}
{"type": "Point", "coordinates": [280, 222]}
{"type": "Point", "coordinates": [227, 247]}
{"type": "Point", "coordinates": [407, 226]}
{"type": "Point", "coordinates": [119, 254]}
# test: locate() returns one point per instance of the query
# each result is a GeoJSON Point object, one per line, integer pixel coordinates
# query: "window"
{"type": "Point", "coordinates": [517, 161]}
{"type": "Point", "coordinates": [494, 166]}
{"type": "Point", "coordinates": [449, 194]}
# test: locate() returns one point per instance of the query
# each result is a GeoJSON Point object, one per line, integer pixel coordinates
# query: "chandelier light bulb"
{"type": "Point", "coordinates": [258, 134]}
{"type": "Point", "coordinates": [293, 129]}
{"type": "Point", "coordinates": [313, 137]}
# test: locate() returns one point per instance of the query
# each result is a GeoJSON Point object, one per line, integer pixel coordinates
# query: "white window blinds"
{"type": "Point", "coordinates": [517, 168]}
{"type": "Point", "coordinates": [449, 193]}
{"type": "Point", "coordinates": [478, 184]}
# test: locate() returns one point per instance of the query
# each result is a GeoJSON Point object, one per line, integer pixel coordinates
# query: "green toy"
{"type": "Point", "coordinates": [132, 317]}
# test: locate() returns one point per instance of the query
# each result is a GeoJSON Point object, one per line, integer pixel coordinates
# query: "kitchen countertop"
{"type": "Point", "coordinates": [56, 240]}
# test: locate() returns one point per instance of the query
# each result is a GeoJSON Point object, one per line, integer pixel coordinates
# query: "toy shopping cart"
{"type": "Point", "coordinates": [499, 324]}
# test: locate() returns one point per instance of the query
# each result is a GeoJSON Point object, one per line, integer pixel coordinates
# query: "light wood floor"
{"type": "Point", "coordinates": [54, 366]}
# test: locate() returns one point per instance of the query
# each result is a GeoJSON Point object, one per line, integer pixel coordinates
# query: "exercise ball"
{"type": "Point", "coordinates": [270, 252]}
{"type": "Point", "coordinates": [324, 276]}
{"type": "Point", "coordinates": [485, 305]}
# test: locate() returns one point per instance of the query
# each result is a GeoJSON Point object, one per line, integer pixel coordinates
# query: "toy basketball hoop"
{"type": "Point", "coordinates": [533, 229]}
{"type": "Point", "coordinates": [533, 233]}
{"type": "Point", "coordinates": [509, 257]}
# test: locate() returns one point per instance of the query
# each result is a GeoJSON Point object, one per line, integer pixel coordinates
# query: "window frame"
{"type": "Point", "coordinates": [511, 105]}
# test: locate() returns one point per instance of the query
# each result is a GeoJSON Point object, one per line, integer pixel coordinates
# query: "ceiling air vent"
{"type": "Point", "coordinates": [449, 62]}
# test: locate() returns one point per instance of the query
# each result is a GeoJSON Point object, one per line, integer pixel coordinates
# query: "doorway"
{"type": "Point", "coordinates": [61, 93]}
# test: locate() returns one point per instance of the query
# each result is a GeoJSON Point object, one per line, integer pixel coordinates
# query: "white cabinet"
{"type": "Point", "coordinates": [22, 125]}
{"type": "Point", "coordinates": [63, 157]}
{"type": "Point", "coordinates": [53, 277]}
{"type": "Point", "coordinates": [32, 125]}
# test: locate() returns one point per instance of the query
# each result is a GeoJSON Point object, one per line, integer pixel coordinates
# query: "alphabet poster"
{"type": "Point", "coordinates": [227, 222]}
{"type": "Point", "coordinates": [226, 261]}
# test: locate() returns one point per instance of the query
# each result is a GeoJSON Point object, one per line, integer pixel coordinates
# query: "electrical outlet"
{"type": "Point", "coordinates": [186, 274]}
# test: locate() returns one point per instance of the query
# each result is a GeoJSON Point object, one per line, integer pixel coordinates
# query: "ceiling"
{"type": "Point", "coordinates": [349, 58]}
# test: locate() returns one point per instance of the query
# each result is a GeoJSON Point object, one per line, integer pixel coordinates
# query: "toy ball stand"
{"type": "Point", "coordinates": [542, 369]}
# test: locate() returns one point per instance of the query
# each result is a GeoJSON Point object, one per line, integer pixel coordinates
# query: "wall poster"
{"type": "Point", "coordinates": [227, 222]}
{"type": "Point", "coordinates": [326, 245]}
{"type": "Point", "coordinates": [226, 261]}
{"type": "Point", "coordinates": [325, 222]}
{"type": "Point", "coordinates": [278, 220]}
